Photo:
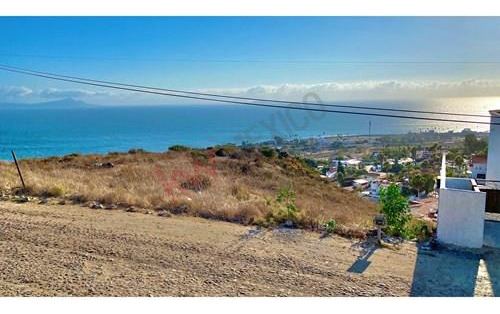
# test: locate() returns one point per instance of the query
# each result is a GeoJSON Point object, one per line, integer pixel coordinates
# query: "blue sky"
{"type": "Point", "coordinates": [218, 53]}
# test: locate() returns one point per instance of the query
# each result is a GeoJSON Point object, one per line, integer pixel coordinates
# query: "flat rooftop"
{"type": "Point", "coordinates": [495, 112]}
{"type": "Point", "coordinates": [489, 185]}
{"type": "Point", "coordinates": [466, 184]}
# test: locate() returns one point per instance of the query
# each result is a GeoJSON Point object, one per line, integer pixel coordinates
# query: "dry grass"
{"type": "Point", "coordinates": [240, 187]}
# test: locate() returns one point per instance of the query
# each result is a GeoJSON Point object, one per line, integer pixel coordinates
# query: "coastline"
{"type": "Point", "coordinates": [323, 143]}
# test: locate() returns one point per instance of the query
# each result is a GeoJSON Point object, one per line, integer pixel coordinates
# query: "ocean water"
{"type": "Point", "coordinates": [51, 132]}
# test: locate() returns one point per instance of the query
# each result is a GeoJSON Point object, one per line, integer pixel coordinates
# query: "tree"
{"type": "Point", "coordinates": [453, 154]}
{"type": "Point", "coordinates": [396, 168]}
{"type": "Point", "coordinates": [311, 163]}
{"type": "Point", "coordinates": [429, 183]}
{"type": "Point", "coordinates": [396, 209]}
{"type": "Point", "coordinates": [434, 147]}
{"type": "Point", "coordinates": [381, 158]}
{"type": "Point", "coordinates": [340, 168]}
{"type": "Point", "coordinates": [386, 167]}
{"type": "Point", "coordinates": [425, 164]}
{"type": "Point", "coordinates": [473, 145]}
{"type": "Point", "coordinates": [340, 178]}
{"type": "Point", "coordinates": [413, 151]}
{"type": "Point", "coordinates": [459, 163]}
{"type": "Point", "coordinates": [417, 182]}
{"type": "Point", "coordinates": [450, 173]}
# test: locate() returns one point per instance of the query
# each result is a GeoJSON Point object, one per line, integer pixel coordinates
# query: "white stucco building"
{"type": "Point", "coordinates": [404, 161]}
{"type": "Point", "coordinates": [462, 206]}
{"type": "Point", "coordinates": [353, 162]}
{"type": "Point", "coordinates": [461, 213]}
{"type": "Point", "coordinates": [360, 183]}
{"type": "Point", "coordinates": [493, 164]}
{"type": "Point", "coordinates": [375, 186]}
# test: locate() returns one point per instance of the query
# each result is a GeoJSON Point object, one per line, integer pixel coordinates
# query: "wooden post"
{"type": "Point", "coordinates": [18, 169]}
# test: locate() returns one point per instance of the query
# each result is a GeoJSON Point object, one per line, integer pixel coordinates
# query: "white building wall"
{"type": "Point", "coordinates": [493, 166]}
{"type": "Point", "coordinates": [461, 217]}
{"type": "Point", "coordinates": [374, 188]}
{"type": "Point", "coordinates": [478, 169]}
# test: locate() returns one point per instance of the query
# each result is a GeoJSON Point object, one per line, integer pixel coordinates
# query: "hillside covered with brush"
{"type": "Point", "coordinates": [243, 185]}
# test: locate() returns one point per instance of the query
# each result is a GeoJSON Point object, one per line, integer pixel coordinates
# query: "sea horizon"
{"type": "Point", "coordinates": [38, 133]}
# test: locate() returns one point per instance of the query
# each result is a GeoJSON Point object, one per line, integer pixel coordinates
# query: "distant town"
{"type": "Point", "coordinates": [366, 163]}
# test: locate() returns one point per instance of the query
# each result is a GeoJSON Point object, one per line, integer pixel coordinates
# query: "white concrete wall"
{"type": "Point", "coordinates": [493, 167]}
{"type": "Point", "coordinates": [461, 217]}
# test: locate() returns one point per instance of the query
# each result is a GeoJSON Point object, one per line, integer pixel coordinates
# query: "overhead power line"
{"type": "Point", "coordinates": [249, 98]}
{"type": "Point", "coordinates": [82, 81]}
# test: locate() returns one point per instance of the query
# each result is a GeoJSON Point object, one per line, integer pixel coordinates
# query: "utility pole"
{"type": "Point", "coordinates": [18, 169]}
{"type": "Point", "coordinates": [370, 127]}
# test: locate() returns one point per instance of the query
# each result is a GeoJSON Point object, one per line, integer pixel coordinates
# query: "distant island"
{"type": "Point", "coordinates": [66, 103]}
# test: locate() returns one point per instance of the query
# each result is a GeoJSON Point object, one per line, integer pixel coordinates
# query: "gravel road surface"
{"type": "Point", "coordinates": [68, 250]}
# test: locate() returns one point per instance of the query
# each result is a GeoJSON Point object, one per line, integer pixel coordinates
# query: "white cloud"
{"type": "Point", "coordinates": [69, 93]}
{"type": "Point", "coordinates": [384, 89]}
{"type": "Point", "coordinates": [14, 92]}
{"type": "Point", "coordinates": [328, 91]}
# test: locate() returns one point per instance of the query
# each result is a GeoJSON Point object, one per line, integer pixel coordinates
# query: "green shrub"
{"type": "Point", "coordinates": [136, 151]}
{"type": "Point", "coordinates": [179, 148]}
{"type": "Point", "coordinates": [221, 153]}
{"type": "Point", "coordinates": [286, 201]}
{"type": "Point", "coordinates": [73, 155]}
{"type": "Point", "coordinates": [419, 229]}
{"type": "Point", "coordinates": [396, 209]}
{"type": "Point", "coordinates": [330, 225]}
{"type": "Point", "coordinates": [201, 156]}
{"type": "Point", "coordinates": [267, 152]}
{"type": "Point", "coordinates": [225, 150]}
{"type": "Point", "coordinates": [311, 163]}
{"type": "Point", "coordinates": [70, 157]}
{"type": "Point", "coordinates": [406, 191]}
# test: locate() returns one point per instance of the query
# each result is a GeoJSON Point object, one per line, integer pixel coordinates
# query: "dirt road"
{"type": "Point", "coordinates": [63, 250]}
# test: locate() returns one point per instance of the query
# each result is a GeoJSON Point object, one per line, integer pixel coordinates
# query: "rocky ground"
{"type": "Point", "coordinates": [427, 208]}
{"type": "Point", "coordinates": [69, 250]}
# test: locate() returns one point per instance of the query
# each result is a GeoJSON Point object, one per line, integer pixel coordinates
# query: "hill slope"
{"type": "Point", "coordinates": [245, 186]}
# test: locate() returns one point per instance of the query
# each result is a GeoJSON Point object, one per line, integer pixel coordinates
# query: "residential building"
{"type": "Point", "coordinates": [463, 204]}
{"type": "Point", "coordinates": [404, 161]}
{"type": "Point", "coordinates": [461, 212]}
{"type": "Point", "coordinates": [478, 166]}
{"type": "Point", "coordinates": [423, 154]}
{"type": "Point", "coordinates": [353, 162]}
{"type": "Point", "coordinates": [493, 162]}
{"type": "Point", "coordinates": [360, 183]}
{"type": "Point", "coordinates": [375, 186]}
